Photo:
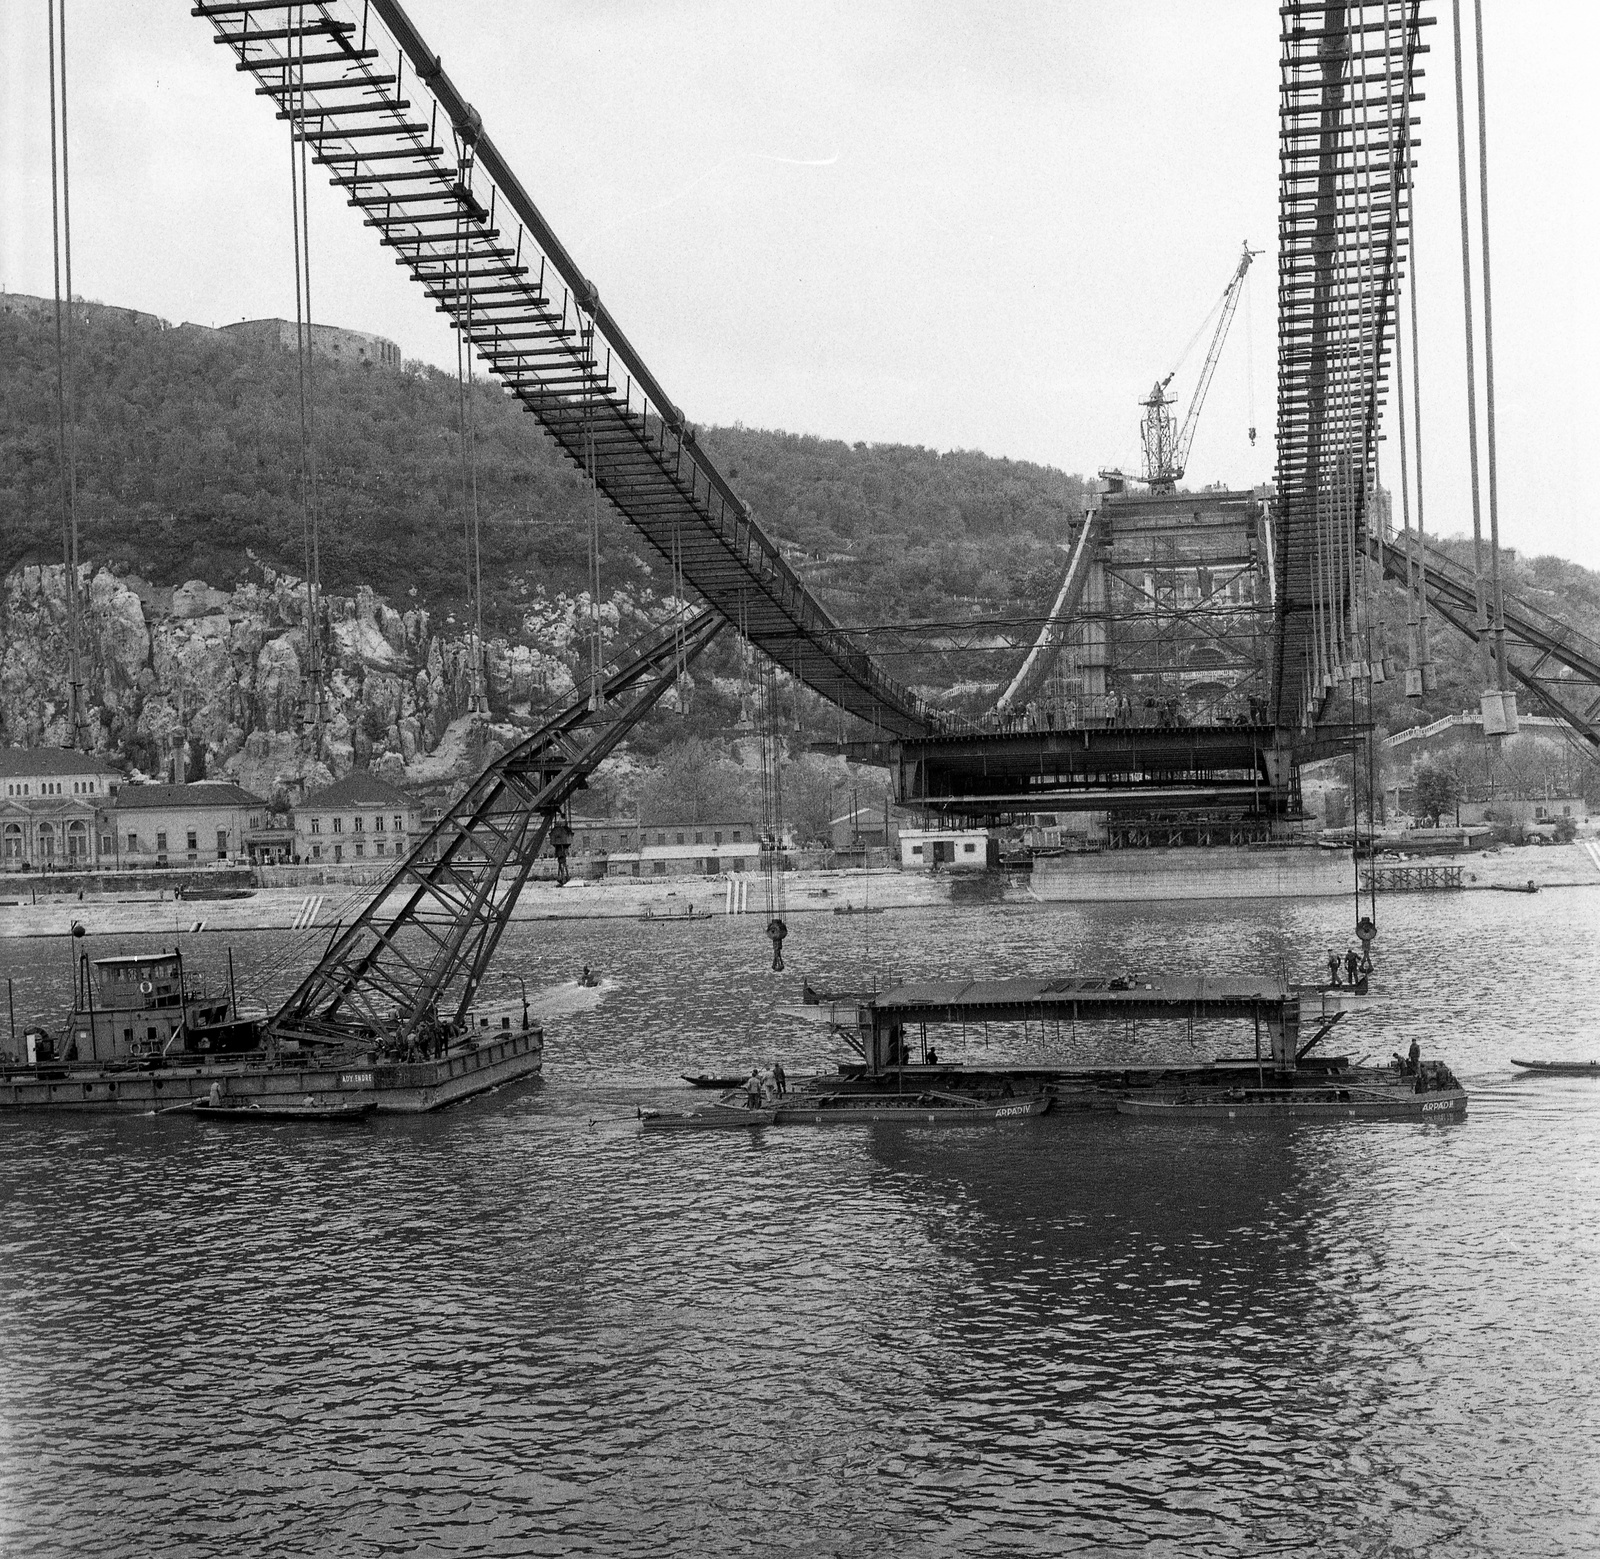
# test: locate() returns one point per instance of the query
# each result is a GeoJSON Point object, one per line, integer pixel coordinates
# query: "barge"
{"type": "Point", "coordinates": [929, 1107]}
{"type": "Point", "coordinates": [1280, 1080]}
{"type": "Point", "coordinates": [145, 1036]}
{"type": "Point", "coordinates": [1432, 1095]}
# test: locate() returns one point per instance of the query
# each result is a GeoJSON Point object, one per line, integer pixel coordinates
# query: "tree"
{"type": "Point", "coordinates": [692, 783]}
{"type": "Point", "coordinates": [1436, 788]}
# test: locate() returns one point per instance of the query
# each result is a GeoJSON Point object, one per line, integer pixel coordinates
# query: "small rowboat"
{"type": "Point", "coordinates": [257, 1113]}
{"type": "Point", "coordinates": [703, 1080]}
{"type": "Point", "coordinates": [1561, 1068]}
{"type": "Point", "coordinates": [918, 1109]}
{"type": "Point", "coordinates": [717, 1118]}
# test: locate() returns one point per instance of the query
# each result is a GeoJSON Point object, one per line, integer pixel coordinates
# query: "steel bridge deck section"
{"type": "Point", "coordinates": [1003, 775]}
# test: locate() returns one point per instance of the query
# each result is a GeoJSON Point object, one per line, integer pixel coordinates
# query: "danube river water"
{"type": "Point", "coordinates": [521, 1328]}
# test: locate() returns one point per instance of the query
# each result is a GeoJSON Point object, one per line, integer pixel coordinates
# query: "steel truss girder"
{"type": "Point", "coordinates": [405, 974]}
{"type": "Point", "coordinates": [1533, 639]}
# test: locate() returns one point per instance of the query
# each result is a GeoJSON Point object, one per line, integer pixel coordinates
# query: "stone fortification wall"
{"type": "Point", "coordinates": [333, 342]}
{"type": "Point", "coordinates": [27, 306]}
{"type": "Point", "coordinates": [330, 341]}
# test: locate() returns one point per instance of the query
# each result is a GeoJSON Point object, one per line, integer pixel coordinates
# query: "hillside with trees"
{"type": "Point", "coordinates": [189, 460]}
{"type": "Point", "coordinates": [188, 469]}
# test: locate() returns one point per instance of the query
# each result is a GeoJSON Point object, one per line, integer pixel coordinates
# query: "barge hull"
{"type": "Point", "coordinates": [1446, 1105]}
{"type": "Point", "coordinates": [394, 1088]}
{"type": "Point", "coordinates": [866, 1109]}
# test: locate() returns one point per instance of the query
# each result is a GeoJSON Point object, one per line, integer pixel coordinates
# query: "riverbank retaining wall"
{"type": "Point", "coordinates": [1251, 872]}
{"type": "Point", "coordinates": [26, 887]}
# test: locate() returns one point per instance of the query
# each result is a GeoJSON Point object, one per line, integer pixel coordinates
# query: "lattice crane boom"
{"type": "Point", "coordinates": [1166, 450]}
{"type": "Point", "coordinates": [404, 975]}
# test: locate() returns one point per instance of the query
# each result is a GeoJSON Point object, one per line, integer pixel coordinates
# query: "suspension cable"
{"type": "Point", "coordinates": [1498, 603]}
{"type": "Point", "coordinates": [294, 70]}
{"type": "Point", "coordinates": [469, 441]}
{"type": "Point", "coordinates": [1399, 160]}
{"type": "Point", "coordinates": [66, 378]}
{"type": "Point", "coordinates": [1424, 647]}
{"type": "Point", "coordinates": [1481, 622]}
{"type": "Point", "coordinates": [596, 695]}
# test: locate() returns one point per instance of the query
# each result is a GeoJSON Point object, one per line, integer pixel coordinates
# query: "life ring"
{"type": "Point", "coordinates": [145, 987]}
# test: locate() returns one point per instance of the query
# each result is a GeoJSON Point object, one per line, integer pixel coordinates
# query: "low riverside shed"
{"type": "Point", "coordinates": [948, 849]}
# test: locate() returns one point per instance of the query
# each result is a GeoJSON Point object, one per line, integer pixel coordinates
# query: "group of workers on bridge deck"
{"type": "Point", "coordinates": [1119, 711]}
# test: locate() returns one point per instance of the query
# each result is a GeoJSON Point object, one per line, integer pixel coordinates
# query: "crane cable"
{"type": "Point", "coordinates": [66, 378]}
{"type": "Point", "coordinates": [596, 694]}
{"type": "Point", "coordinates": [1250, 356]}
{"type": "Point", "coordinates": [680, 635]}
{"type": "Point", "coordinates": [772, 810]}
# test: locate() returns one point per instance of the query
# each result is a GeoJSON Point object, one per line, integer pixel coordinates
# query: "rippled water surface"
{"type": "Point", "coordinates": [519, 1327]}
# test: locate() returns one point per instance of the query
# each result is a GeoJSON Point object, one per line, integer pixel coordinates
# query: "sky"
{"type": "Point", "coordinates": [985, 225]}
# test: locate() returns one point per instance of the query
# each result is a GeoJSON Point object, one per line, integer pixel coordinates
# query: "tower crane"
{"type": "Point", "coordinates": [1166, 447]}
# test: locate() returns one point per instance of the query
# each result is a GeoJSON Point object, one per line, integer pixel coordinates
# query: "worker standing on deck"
{"type": "Point", "coordinates": [752, 1089]}
{"type": "Point", "coordinates": [1352, 963]}
{"type": "Point", "coordinates": [778, 1078]}
{"type": "Point", "coordinates": [1333, 967]}
{"type": "Point", "coordinates": [1414, 1059]}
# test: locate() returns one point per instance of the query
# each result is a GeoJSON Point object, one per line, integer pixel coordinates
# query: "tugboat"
{"type": "Point", "coordinates": [142, 1007]}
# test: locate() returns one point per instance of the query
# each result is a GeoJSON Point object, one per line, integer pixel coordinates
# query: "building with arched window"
{"type": "Point", "coordinates": [55, 808]}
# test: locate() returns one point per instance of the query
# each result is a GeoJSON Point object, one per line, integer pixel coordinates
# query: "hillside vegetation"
{"type": "Point", "coordinates": [188, 468]}
{"type": "Point", "coordinates": [189, 459]}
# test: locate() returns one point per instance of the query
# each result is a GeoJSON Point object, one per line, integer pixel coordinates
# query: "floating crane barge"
{"type": "Point", "coordinates": [1280, 1077]}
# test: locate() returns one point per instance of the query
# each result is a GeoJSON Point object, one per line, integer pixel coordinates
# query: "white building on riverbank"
{"type": "Point", "coordinates": [359, 818]}
{"type": "Point", "coordinates": [54, 807]}
{"type": "Point", "coordinates": [203, 824]}
{"type": "Point", "coordinates": [626, 847]}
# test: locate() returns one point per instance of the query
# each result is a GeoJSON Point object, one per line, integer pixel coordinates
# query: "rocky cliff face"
{"type": "Point", "coordinates": [215, 681]}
